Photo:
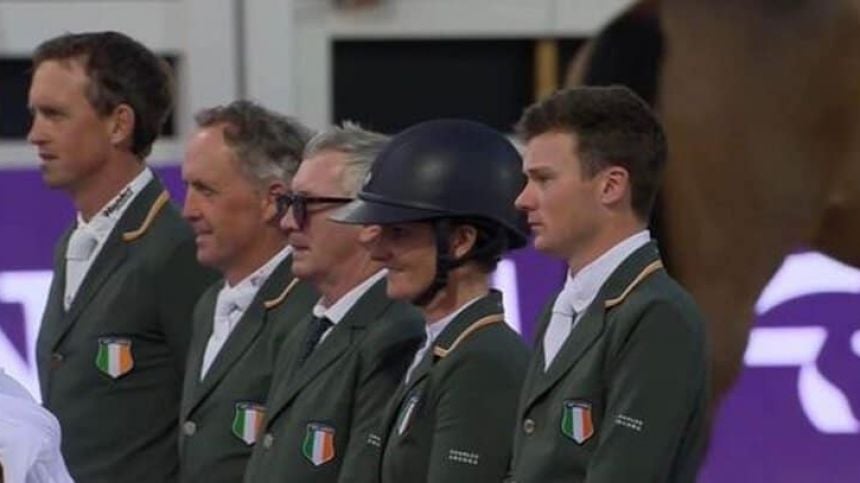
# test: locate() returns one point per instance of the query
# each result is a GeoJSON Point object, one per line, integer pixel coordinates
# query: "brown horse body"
{"type": "Point", "coordinates": [761, 104]}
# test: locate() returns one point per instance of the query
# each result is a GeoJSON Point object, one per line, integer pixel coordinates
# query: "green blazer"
{"type": "Point", "coordinates": [624, 400]}
{"type": "Point", "coordinates": [452, 421]}
{"type": "Point", "coordinates": [321, 414]}
{"type": "Point", "coordinates": [219, 414]}
{"type": "Point", "coordinates": [111, 366]}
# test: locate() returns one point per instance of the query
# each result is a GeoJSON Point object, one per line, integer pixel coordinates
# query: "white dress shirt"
{"type": "Point", "coordinates": [231, 304]}
{"type": "Point", "coordinates": [336, 312]}
{"type": "Point", "coordinates": [29, 438]}
{"type": "Point", "coordinates": [579, 291]}
{"type": "Point", "coordinates": [88, 238]}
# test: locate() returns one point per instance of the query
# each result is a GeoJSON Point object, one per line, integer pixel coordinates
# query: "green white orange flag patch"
{"type": "Point", "coordinates": [248, 421]}
{"type": "Point", "coordinates": [114, 357]}
{"type": "Point", "coordinates": [576, 421]}
{"type": "Point", "coordinates": [318, 446]}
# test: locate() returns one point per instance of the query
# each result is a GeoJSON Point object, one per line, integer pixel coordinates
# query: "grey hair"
{"type": "Point", "coordinates": [267, 145]}
{"type": "Point", "coordinates": [359, 145]}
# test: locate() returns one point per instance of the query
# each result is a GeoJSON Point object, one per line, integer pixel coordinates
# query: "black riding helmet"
{"type": "Point", "coordinates": [442, 171]}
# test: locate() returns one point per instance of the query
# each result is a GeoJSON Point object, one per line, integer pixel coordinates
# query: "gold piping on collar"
{"type": "Point", "coordinates": [490, 319]}
{"type": "Point", "coordinates": [159, 203]}
{"type": "Point", "coordinates": [651, 268]}
{"type": "Point", "coordinates": [270, 304]}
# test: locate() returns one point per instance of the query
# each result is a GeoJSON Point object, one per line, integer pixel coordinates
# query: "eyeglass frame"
{"type": "Point", "coordinates": [299, 203]}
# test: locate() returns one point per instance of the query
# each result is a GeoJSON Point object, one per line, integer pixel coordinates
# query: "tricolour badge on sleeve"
{"type": "Point", "coordinates": [114, 357]}
{"type": "Point", "coordinates": [318, 446]}
{"type": "Point", "coordinates": [248, 421]}
{"type": "Point", "coordinates": [576, 422]}
{"type": "Point", "coordinates": [405, 418]}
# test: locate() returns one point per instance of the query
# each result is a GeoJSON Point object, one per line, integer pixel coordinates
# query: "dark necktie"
{"type": "Point", "coordinates": [318, 327]}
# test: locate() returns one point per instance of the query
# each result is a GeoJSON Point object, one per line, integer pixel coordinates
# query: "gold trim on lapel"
{"type": "Point", "coordinates": [439, 351]}
{"type": "Point", "coordinates": [653, 267]}
{"type": "Point", "coordinates": [247, 331]}
{"type": "Point", "coordinates": [156, 207]}
{"type": "Point", "coordinates": [108, 260]}
{"type": "Point", "coordinates": [635, 269]}
{"type": "Point", "coordinates": [272, 303]}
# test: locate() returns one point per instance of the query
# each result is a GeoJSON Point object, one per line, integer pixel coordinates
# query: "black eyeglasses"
{"type": "Point", "coordinates": [299, 204]}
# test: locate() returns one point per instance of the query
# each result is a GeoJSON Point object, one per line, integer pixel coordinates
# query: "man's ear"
{"type": "Point", "coordinates": [369, 234]}
{"type": "Point", "coordinates": [463, 238]}
{"type": "Point", "coordinates": [614, 185]}
{"type": "Point", "coordinates": [274, 189]}
{"type": "Point", "coordinates": [121, 126]}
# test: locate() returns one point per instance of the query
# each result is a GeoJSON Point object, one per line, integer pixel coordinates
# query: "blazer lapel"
{"type": "Point", "coordinates": [591, 326]}
{"type": "Point", "coordinates": [54, 315]}
{"type": "Point", "coordinates": [580, 339]}
{"type": "Point", "coordinates": [58, 284]}
{"type": "Point", "coordinates": [421, 372]}
{"type": "Point", "coordinates": [111, 256]}
{"type": "Point", "coordinates": [202, 332]}
{"type": "Point", "coordinates": [488, 305]}
{"type": "Point", "coordinates": [335, 345]}
{"type": "Point", "coordinates": [247, 330]}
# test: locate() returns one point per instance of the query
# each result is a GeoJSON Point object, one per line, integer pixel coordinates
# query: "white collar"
{"type": "Point", "coordinates": [239, 296]}
{"type": "Point", "coordinates": [260, 275]}
{"type": "Point", "coordinates": [338, 310]}
{"type": "Point", "coordinates": [103, 222]}
{"type": "Point", "coordinates": [435, 328]}
{"type": "Point", "coordinates": [581, 288]}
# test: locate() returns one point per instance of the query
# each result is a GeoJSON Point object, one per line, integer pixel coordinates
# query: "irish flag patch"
{"type": "Point", "coordinates": [248, 421]}
{"type": "Point", "coordinates": [576, 421]}
{"type": "Point", "coordinates": [318, 446]}
{"type": "Point", "coordinates": [114, 356]}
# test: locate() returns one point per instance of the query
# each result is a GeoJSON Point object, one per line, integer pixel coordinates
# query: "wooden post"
{"type": "Point", "coordinates": [545, 68]}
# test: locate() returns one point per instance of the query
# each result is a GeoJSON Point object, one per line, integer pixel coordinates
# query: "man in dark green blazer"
{"type": "Point", "coordinates": [617, 389]}
{"type": "Point", "coordinates": [238, 161]}
{"type": "Point", "coordinates": [338, 369]}
{"type": "Point", "coordinates": [112, 345]}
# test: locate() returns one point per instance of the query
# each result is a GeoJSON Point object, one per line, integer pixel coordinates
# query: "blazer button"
{"type": "Point", "coordinates": [268, 440]}
{"type": "Point", "coordinates": [56, 360]}
{"type": "Point", "coordinates": [529, 426]}
{"type": "Point", "coordinates": [189, 428]}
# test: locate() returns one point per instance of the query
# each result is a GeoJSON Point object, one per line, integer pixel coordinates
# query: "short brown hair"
{"type": "Point", "coordinates": [121, 71]}
{"type": "Point", "coordinates": [266, 144]}
{"type": "Point", "coordinates": [613, 127]}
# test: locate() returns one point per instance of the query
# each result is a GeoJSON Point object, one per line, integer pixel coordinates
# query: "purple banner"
{"type": "Point", "coordinates": [791, 418]}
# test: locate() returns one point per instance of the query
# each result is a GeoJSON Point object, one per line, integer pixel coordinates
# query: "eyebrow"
{"type": "Point", "coordinates": [43, 108]}
{"type": "Point", "coordinates": [199, 184]}
{"type": "Point", "coordinates": [540, 170]}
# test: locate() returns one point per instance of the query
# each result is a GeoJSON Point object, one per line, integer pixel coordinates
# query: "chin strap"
{"type": "Point", "coordinates": [445, 261]}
